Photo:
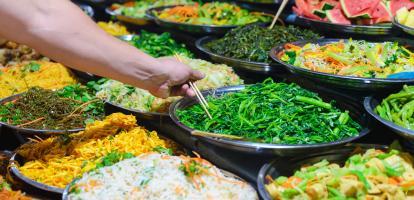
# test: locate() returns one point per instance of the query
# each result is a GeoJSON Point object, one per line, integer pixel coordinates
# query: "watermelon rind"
{"type": "Point", "coordinates": [319, 13]}
{"type": "Point", "coordinates": [327, 6]}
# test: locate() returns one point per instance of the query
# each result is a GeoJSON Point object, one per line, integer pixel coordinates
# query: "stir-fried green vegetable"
{"type": "Point", "coordinates": [159, 45]}
{"type": "Point", "coordinates": [271, 112]}
{"type": "Point", "coordinates": [357, 58]}
{"type": "Point", "coordinates": [253, 42]}
{"type": "Point", "coordinates": [399, 108]}
{"type": "Point", "coordinates": [373, 175]}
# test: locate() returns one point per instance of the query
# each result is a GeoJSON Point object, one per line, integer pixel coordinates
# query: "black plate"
{"type": "Point", "coordinates": [190, 28]}
{"type": "Point", "coordinates": [29, 131]}
{"type": "Point", "coordinates": [327, 27]}
{"type": "Point", "coordinates": [271, 149]}
{"type": "Point", "coordinates": [346, 82]}
{"type": "Point", "coordinates": [403, 27]}
{"type": "Point", "coordinates": [127, 19]}
{"type": "Point", "coordinates": [236, 63]}
{"type": "Point", "coordinates": [225, 173]}
{"type": "Point", "coordinates": [370, 103]}
{"type": "Point", "coordinates": [286, 167]}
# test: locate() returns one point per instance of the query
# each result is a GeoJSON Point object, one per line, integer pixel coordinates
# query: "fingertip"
{"type": "Point", "coordinates": [197, 75]}
{"type": "Point", "coordinates": [190, 93]}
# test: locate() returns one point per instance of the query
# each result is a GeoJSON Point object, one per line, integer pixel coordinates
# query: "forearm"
{"type": "Point", "coordinates": [58, 29]}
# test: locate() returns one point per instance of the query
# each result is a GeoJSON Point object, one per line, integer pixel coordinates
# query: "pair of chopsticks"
{"type": "Point", "coordinates": [279, 11]}
{"type": "Point", "coordinates": [200, 96]}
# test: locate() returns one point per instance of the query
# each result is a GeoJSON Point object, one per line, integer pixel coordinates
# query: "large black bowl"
{"type": "Point", "coordinates": [55, 192]}
{"type": "Point", "coordinates": [271, 149]}
{"type": "Point", "coordinates": [29, 131]}
{"type": "Point", "coordinates": [370, 103]}
{"type": "Point", "coordinates": [287, 167]}
{"type": "Point", "coordinates": [190, 28]}
{"type": "Point", "coordinates": [260, 67]}
{"type": "Point", "coordinates": [346, 82]}
{"type": "Point", "coordinates": [327, 27]}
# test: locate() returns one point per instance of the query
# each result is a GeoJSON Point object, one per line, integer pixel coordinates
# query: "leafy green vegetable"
{"type": "Point", "coordinates": [159, 45]}
{"type": "Point", "coordinates": [112, 158]}
{"type": "Point", "coordinates": [271, 112]}
{"type": "Point", "coordinates": [253, 42]}
{"type": "Point", "coordinates": [163, 150]}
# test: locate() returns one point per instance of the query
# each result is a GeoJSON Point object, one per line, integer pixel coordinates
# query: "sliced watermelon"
{"type": "Point", "coordinates": [337, 16]}
{"type": "Point", "coordinates": [380, 14]}
{"type": "Point", "coordinates": [395, 5]}
{"type": "Point", "coordinates": [358, 8]}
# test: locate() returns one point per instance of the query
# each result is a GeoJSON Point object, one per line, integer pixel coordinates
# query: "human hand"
{"type": "Point", "coordinates": [170, 78]}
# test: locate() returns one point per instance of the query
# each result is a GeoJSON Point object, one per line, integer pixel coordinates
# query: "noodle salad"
{"type": "Point", "coordinates": [215, 13]}
{"type": "Point", "coordinates": [356, 58]}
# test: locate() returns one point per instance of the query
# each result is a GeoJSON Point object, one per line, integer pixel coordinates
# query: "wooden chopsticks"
{"type": "Point", "coordinates": [279, 11]}
{"type": "Point", "coordinates": [200, 96]}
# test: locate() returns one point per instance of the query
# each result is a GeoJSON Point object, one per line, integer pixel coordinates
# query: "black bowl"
{"type": "Point", "coordinates": [30, 131]}
{"type": "Point", "coordinates": [346, 82]}
{"type": "Point", "coordinates": [127, 19]}
{"type": "Point", "coordinates": [370, 103]}
{"type": "Point", "coordinates": [287, 167]}
{"type": "Point", "coordinates": [260, 67]}
{"type": "Point", "coordinates": [47, 190]}
{"type": "Point", "coordinates": [190, 28]}
{"type": "Point", "coordinates": [328, 27]}
{"type": "Point", "coordinates": [271, 149]}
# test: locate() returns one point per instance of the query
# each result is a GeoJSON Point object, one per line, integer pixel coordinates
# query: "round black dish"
{"type": "Point", "coordinates": [190, 28]}
{"type": "Point", "coordinates": [270, 149]}
{"type": "Point", "coordinates": [370, 103]}
{"type": "Point", "coordinates": [346, 82]}
{"type": "Point", "coordinates": [260, 67]}
{"type": "Point", "coordinates": [286, 167]}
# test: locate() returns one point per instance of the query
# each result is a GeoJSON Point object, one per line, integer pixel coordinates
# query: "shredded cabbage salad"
{"type": "Point", "coordinates": [356, 58]}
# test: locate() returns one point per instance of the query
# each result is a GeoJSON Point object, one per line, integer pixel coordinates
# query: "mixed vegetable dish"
{"type": "Point", "coordinates": [357, 58]}
{"type": "Point", "coordinates": [373, 175]}
{"type": "Point", "coordinates": [214, 13]}
{"type": "Point", "coordinates": [276, 113]}
{"type": "Point", "coordinates": [137, 9]}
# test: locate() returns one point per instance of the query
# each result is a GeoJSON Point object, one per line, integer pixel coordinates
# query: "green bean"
{"type": "Point", "coordinates": [398, 107]}
{"type": "Point", "coordinates": [314, 102]}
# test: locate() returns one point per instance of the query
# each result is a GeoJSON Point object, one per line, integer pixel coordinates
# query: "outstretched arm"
{"type": "Point", "coordinates": [61, 31]}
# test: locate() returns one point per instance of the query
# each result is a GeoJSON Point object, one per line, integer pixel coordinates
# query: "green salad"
{"type": "Point", "coordinates": [358, 58]}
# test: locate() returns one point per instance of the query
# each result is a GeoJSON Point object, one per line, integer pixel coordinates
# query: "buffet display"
{"type": "Point", "coordinates": [305, 117]}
